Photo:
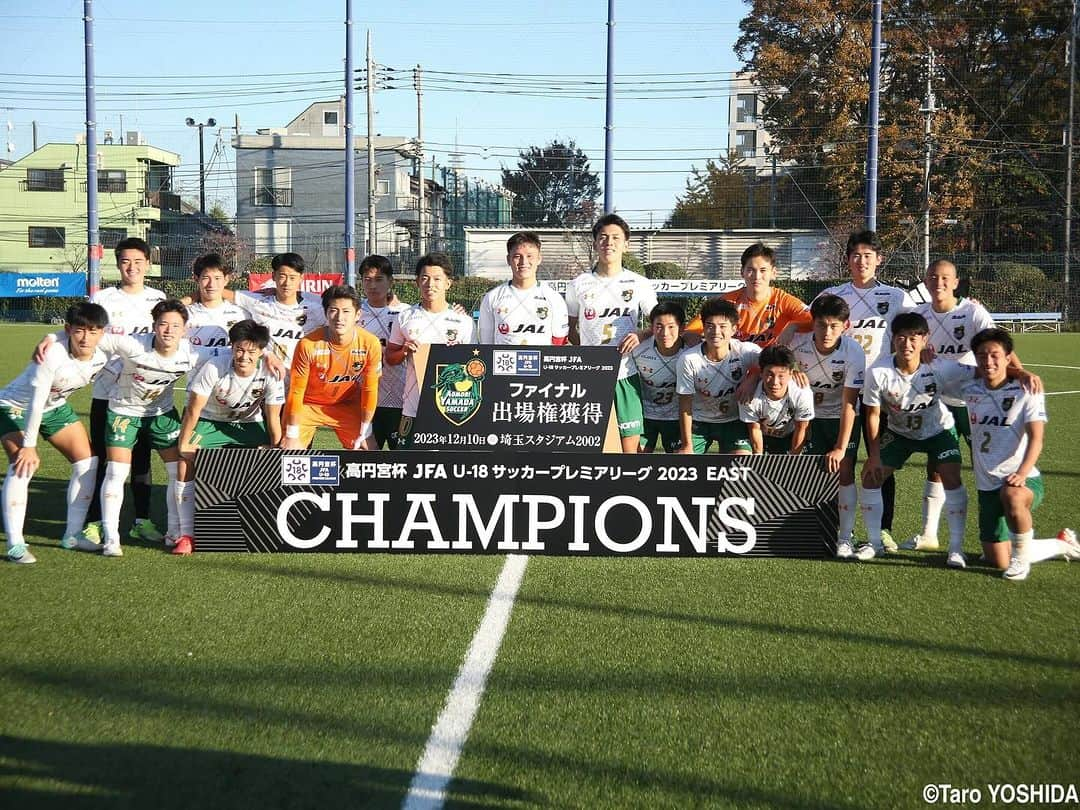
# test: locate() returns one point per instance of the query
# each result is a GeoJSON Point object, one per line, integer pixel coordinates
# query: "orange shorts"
{"type": "Point", "coordinates": [344, 420]}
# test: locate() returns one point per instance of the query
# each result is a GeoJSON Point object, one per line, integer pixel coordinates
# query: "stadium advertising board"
{"type": "Point", "coordinates": [311, 282]}
{"type": "Point", "coordinates": [252, 500]}
{"type": "Point", "coordinates": [41, 285]}
{"type": "Point", "coordinates": [541, 398]}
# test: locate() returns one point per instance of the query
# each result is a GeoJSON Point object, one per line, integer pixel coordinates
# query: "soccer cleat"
{"type": "Point", "coordinates": [69, 541]}
{"type": "Point", "coordinates": [20, 554]}
{"type": "Point", "coordinates": [112, 550]}
{"type": "Point", "coordinates": [1072, 546]}
{"type": "Point", "coordinates": [144, 529]}
{"type": "Point", "coordinates": [1018, 570]}
{"type": "Point", "coordinates": [169, 540]}
{"type": "Point", "coordinates": [185, 544]}
{"type": "Point", "coordinates": [887, 543]}
{"type": "Point", "coordinates": [956, 560]}
{"type": "Point", "coordinates": [844, 550]}
{"type": "Point", "coordinates": [91, 533]}
{"type": "Point", "coordinates": [919, 543]}
{"type": "Point", "coordinates": [867, 551]}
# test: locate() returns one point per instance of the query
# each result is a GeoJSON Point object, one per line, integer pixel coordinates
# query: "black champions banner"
{"type": "Point", "coordinates": [532, 398]}
{"type": "Point", "coordinates": [566, 504]}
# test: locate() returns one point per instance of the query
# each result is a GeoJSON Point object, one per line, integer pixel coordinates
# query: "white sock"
{"type": "Point", "coordinates": [112, 499]}
{"type": "Point", "coordinates": [956, 505]}
{"type": "Point", "coordinates": [185, 503]}
{"type": "Point", "coordinates": [1020, 541]}
{"type": "Point", "coordinates": [1049, 548]}
{"type": "Point", "coordinates": [872, 507]}
{"type": "Point", "coordinates": [80, 491]}
{"type": "Point", "coordinates": [15, 492]}
{"type": "Point", "coordinates": [933, 501]}
{"type": "Point", "coordinates": [172, 469]}
{"type": "Point", "coordinates": [847, 501]}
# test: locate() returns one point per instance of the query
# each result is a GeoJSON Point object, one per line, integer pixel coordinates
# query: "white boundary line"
{"type": "Point", "coordinates": [1047, 365]}
{"type": "Point", "coordinates": [436, 766]}
{"type": "Point", "coordinates": [1058, 393]}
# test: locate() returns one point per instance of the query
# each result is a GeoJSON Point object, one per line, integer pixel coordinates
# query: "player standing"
{"type": "Point", "coordinates": [605, 306]}
{"type": "Point", "coordinates": [378, 314]}
{"type": "Point", "coordinates": [657, 361]}
{"type": "Point", "coordinates": [210, 320]}
{"type": "Point", "coordinates": [523, 311]}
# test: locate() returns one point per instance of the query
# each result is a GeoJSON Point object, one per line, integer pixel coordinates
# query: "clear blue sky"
{"type": "Point", "coordinates": [160, 62]}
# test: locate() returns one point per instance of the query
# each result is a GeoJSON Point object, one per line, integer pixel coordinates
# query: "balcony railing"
{"type": "Point", "coordinates": [107, 186]}
{"type": "Point", "coordinates": [46, 184]}
{"type": "Point", "coordinates": [164, 200]}
{"type": "Point", "coordinates": [279, 196]}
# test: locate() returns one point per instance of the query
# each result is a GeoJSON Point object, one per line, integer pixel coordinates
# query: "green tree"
{"type": "Point", "coordinates": [217, 212]}
{"type": "Point", "coordinates": [553, 186]}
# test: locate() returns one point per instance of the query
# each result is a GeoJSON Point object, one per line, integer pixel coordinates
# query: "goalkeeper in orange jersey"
{"type": "Point", "coordinates": [335, 378]}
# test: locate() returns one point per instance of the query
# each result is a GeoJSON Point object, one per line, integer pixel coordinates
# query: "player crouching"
{"type": "Point", "coordinates": [234, 400]}
{"type": "Point", "coordinates": [778, 415]}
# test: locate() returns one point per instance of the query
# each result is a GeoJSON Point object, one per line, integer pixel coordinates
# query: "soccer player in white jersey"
{"type": "Point", "coordinates": [708, 376]}
{"type": "Point", "coordinates": [378, 313]}
{"type": "Point", "coordinates": [834, 365]}
{"type": "Point", "coordinates": [212, 317]}
{"type": "Point", "coordinates": [142, 403]}
{"type": "Point", "coordinates": [128, 307]}
{"type": "Point", "coordinates": [1008, 428]}
{"type": "Point", "coordinates": [523, 311]}
{"type": "Point", "coordinates": [35, 404]}
{"type": "Point", "coordinates": [657, 361]}
{"type": "Point", "coordinates": [910, 392]}
{"type": "Point", "coordinates": [289, 314]}
{"type": "Point", "coordinates": [605, 306]}
{"type": "Point", "coordinates": [778, 415]}
{"type": "Point", "coordinates": [233, 401]}
{"type": "Point", "coordinates": [432, 321]}
{"type": "Point", "coordinates": [873, 305]}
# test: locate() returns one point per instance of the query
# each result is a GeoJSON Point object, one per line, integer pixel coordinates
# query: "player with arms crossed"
{"type": "Point", "coordinates": [432, 321]}
{"type": "Point", "coordinates": [604, 306]}
{"type": "Point", "coordinates": [233, 401]}
{"type": "Point", "coordinates": [708, 378]}
{"type": "Point", "coordinates": [34, 404]}
{"type": "Point", "coordinates": [524, 311]}
{"type": "Point", "coordinates": [834, 365]}
{"type": "Point", "coordinates": [873, 305]}
{"type": "Point", "coordinates": [378, 313]}
{"type": "Point", "coordinates": [778, 414]}
{"type": "Point", "coordinates": [1008, 429]}
{"type": "Point", "coordinates": [657, 361]}
{"type": "Point", "coordinates": [335, 378]}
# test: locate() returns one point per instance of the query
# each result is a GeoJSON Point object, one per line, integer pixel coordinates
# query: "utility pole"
{"type": "Point", "coordinates": [1069, 158]}
{"type": "Point", "coordinates": [350, 156]}
{"type": "Point", "coordinates": [210, 122]}
{"type": "Point", "coordinates": [928, 109]}
{"type": "Point", "coordinates": [772, 192]}
{"type": "Point", "coordinates": [421, 242]}
{"type": "Point", "coordinates": [872, 120]}
{"type": "Point", "coordinates": [609, 113]}
{"type": "Point", "coordinates": [370, 73]}
{"type": "Point", "coordinates": [94, 251]}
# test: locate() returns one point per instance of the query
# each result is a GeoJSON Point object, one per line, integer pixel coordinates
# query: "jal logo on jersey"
{"type": "Point", "coordinates": [617, 312]}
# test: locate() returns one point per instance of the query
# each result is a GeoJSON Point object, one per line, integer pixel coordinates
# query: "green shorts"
{"type": "Point", "coordinates": [209, 434]}
{"type": "Point", "coordinates": [664, 430]}
{"type": "Point", "coordinates": [823, 434]}
{"type": "Point", "coordinates": [992, 526]}
{"type": "Point", "coordinates": [943, 448]}
{"type": "Point", "coordinates": [13, 420]}
{"type": "Point", "coordinates": [163, 430]}
{"type": "Point", "coordinates": [628, 410]}
{"type": "Point", "coordinates": [963, 422]}
{"type": "Point", "coordinates": [385, 425]}
{"type": "Point", "coordinates": [729, 436]}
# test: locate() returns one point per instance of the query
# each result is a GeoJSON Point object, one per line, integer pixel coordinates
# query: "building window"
{"type": "Point", "coordinates": [273, 187]}
{"type": "Point", "coordinates": [330, 117]}
{"type": "Point", "coordinates": [382, 188]}
{"type": "Point", "coordinates": [112, 181]}
{"type": "Point", "coordinates": [746, 108]}
{"type": "Point", "coordinates": [272, 236]}
{"type": "Point", "coordinates": [746, 144]}
{"type": "Point", "coordinates": [43, 237]}
{"type": "Point", "coordinates": [44, 179]}
{"type": "Point", "coordinates": [111, 237]}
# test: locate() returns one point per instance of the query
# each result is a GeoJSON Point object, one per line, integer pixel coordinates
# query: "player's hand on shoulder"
{"type": "Point", "coordinates": [42, 348]}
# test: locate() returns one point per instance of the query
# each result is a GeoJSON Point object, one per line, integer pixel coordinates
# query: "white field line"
{"type": "Point", "coordinates": [436, 766]}
{"type": "Point", "coordinates": [1059, 393]}
{"type": "Point", "coordinates": [1047, 365]}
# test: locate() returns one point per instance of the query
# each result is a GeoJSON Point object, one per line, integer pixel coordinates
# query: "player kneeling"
{"type": "Point", "coordinates": [233, 401]}
{"type": "Point", "coordinates": [779, 413]}
{"type": "Point", "coordinates": [36, 402]}
{"type": "Point", "coordinates": [1007, 427]}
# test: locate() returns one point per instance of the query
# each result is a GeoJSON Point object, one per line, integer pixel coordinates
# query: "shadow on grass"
{"type": "Point", "coordinates": [648, 614]}
{"type": "Point", "coordinates": [46, 517]}
{"type": "Point", "coordinates": [84, 776]}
